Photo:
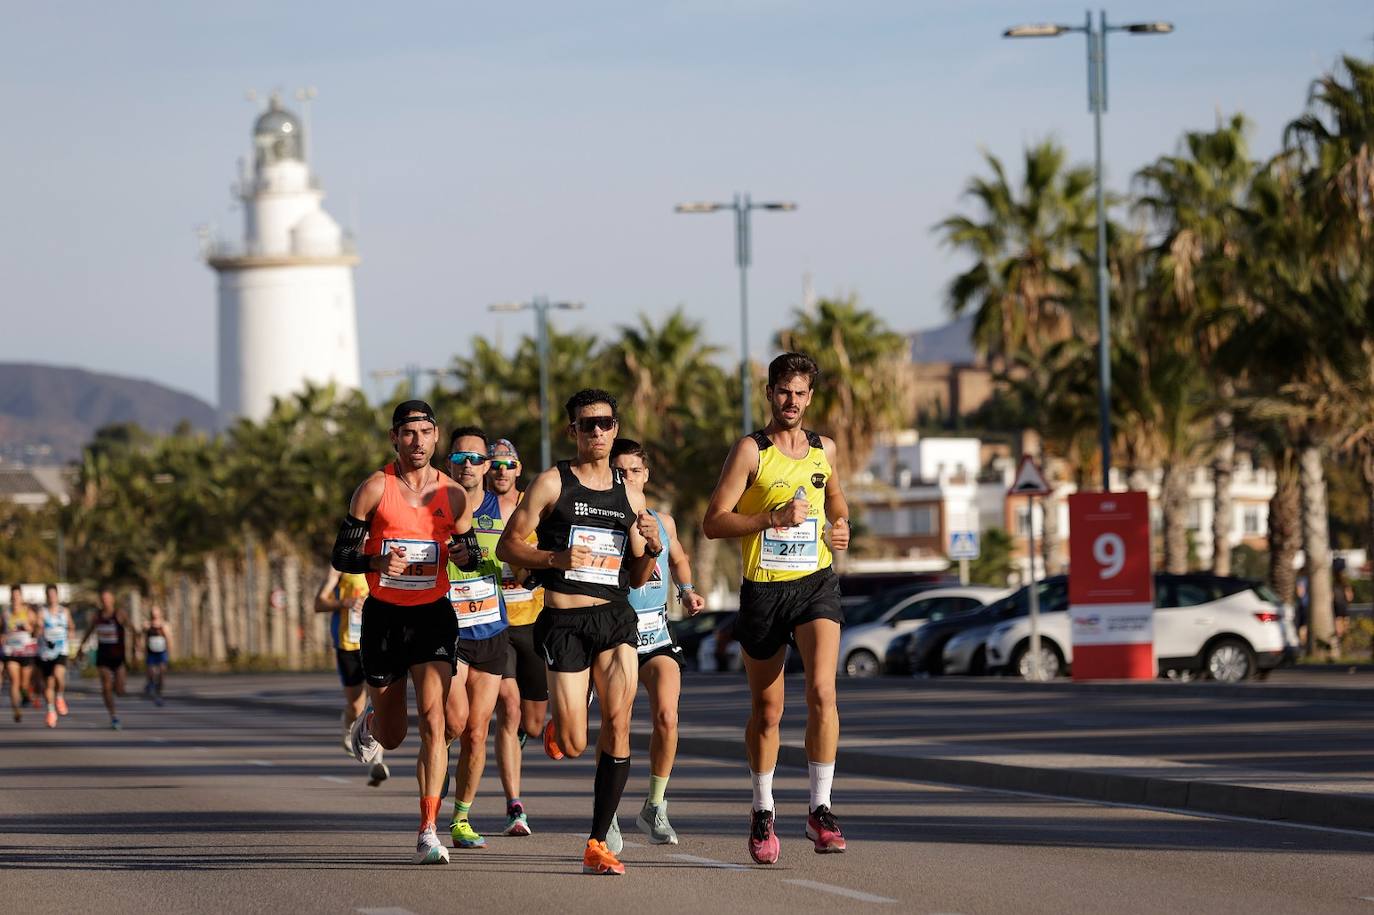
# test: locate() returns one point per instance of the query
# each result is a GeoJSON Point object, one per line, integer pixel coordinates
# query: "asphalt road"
{"type": "Point", "coordinates": [202, 807]}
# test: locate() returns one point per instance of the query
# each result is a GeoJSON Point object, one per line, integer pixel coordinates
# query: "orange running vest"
{"type": "Point", "coordinates": [422, 532]}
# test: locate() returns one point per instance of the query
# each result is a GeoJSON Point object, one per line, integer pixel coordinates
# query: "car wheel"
{"type": "Point", "coordinates": [978, 665]}
{"type": "Point", "coordinates": [1229, 661]}
{"type": "Point", "coordinates": [861, 663]}
{"type": "Point", "coordinates": [1051, 665]}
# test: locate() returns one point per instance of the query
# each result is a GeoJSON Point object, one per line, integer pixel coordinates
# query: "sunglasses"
{"type": "Point", "coordinates": [474, 458]}
{"type": "Point", "coordinates": [502, 464]}
{"type": "Point", "coordinates": [589, 424]}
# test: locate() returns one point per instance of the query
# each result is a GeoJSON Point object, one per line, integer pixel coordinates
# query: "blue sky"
{"type": "Point", "coordinates": [490, 152]}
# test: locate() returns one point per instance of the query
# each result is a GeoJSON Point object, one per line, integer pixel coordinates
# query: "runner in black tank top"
{"type": "Point", "coordinates": [110, 627]}
{"type": "Point", "coordinates": [595, 542]}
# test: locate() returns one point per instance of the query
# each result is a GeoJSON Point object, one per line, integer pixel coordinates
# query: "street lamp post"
{"type": "Point", "coordinates": [742, 206]}
{"type": "Point", "coordinates": [540, 305]}
{"type": "Point", "coordinates": [1097, 104]}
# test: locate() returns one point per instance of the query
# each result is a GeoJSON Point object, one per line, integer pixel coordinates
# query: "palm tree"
{"type": "Point", "coordinates": [1193, 199]}
{"type": "Point", "coordinates": [1026, 243]}
{"type": "Point", "coordinates": [1334, 140]}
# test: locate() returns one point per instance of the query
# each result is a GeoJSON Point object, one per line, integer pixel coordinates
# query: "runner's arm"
{"type": "Point", "coordinates": [722, 521]}
{"type": "Point", "coordinates": [514, 546]}
{"type": "Point", "coordinates": [325, 601]}
{"type": "Point", "coordinates": [639, 564]}
{"type": "Point", "coordinates": [681, 568]}
{"type": "Point", "coordinates": [347, 555]}
{"type": "Point", "coordinates": [836, 506]}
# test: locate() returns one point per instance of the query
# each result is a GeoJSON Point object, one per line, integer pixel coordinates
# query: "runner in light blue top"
{"type": "Point", "coordinates": [660, 660]}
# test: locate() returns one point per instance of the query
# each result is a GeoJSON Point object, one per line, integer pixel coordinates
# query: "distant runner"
{"type": "Point", "coordinates": [111, 629]}
{"type": "Point", "coordinates": [21, 648]}
{"type": "Point", "coordinates": [342, 597]}
{"type": "Point", "coordinates": [660, 660]}
{"type": "Point", "coordinates": [157, 642]}
{"type": "Point", "coordinates": [54, 636]}
{"type": "Point", "coordinates": [775, 494]}
{"type": "Point", "coordinates": [397, 532]}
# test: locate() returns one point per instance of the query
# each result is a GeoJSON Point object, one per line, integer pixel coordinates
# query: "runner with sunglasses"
{"type": "Point", "coordinates": [595, 542]}
{"type": "Point", "coordinates": [397, 532]}
{"type": "Point", "coordinates": [660, 661]}
{"type": "Point", "coordinates": [775, 493]}
{"type": "Point", "coordinates": [482, 641]}
{"type": "Point", "coordinates": [524, 698]}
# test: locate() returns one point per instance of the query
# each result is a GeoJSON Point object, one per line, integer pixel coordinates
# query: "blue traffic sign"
{"type": "Point", "coordinates": [963, 545]}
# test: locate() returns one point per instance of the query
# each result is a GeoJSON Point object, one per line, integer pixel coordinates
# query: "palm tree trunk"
{"type": "Point", "coordinates": [1223, 469]}
{"type": "Point", "coordinates": [1367, 471]}
{"type": "Point", "coordinates": [215, 616]}
{"type": "Point", "coordinates": [1285, 531]}
{"type": "Point", "coordinates": [1316, 543]}
{"type": "Point", "coordinates": [1173, 496]}
{"type": "Point", "coordinates": [261, 599]}
{"type": "Point", "coordinates": [704, 558]}
{"type": "Point", "coordinates": [291, 581]}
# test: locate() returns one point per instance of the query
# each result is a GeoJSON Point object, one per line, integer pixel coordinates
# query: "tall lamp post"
{"type": "Point", "coordinates": [1097, 104]}
{"type": "Point", "coordinates": [540, 305]}
{"type": "Point", "coordinates": [742, 206]}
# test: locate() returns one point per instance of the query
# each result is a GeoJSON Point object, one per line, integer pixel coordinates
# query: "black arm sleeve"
{"type": "Point", "coordinates": [469, 540]}
{"type": "Point", "coordinates": [348, 547]}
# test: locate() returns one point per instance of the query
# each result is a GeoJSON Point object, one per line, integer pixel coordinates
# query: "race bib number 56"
{"type": "Point", "coordinates": [608, 551]}
{"type": "Point", "coordinates": [422, 565]}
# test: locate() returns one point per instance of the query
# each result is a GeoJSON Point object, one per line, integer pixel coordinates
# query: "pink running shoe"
{"type": "Point", "coordinates": [824, 830]}
{"type": "Point", "coordinates": [763, 840]}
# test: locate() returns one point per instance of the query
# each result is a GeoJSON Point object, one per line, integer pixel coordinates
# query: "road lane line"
{"type": "Point", "coordinates": [838, 891]}
{"type": "Point", "coordinates": [158, 739]}
{"type": "Point", "coordinates": [388, 911]}
{"type": "Point", "coordinates": [260, 762]}
{"type": "Point", "coordinates": [710, 862]}
{"type": "Point", "coordinates": [336, 779]}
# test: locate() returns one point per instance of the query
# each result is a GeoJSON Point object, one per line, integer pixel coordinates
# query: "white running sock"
{"type": "Point", "coordinates": [763, 789]}
{"type": "Point", "coordinates": [821, 775]}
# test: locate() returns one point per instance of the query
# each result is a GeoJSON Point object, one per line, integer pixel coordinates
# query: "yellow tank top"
{"type": "Point", "coordinates": [350, 622]}
{"type": "Point", "coordinates": [786, 554]}
{"type": "Point", "coordinates": [523, 604]}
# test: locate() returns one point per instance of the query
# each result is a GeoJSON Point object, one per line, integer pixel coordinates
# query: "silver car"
{"type": "Point", "coordinates": [964, 654]}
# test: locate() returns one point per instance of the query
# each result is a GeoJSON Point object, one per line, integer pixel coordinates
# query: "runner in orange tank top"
{"type": "Point", "coordinates": [401, 524]}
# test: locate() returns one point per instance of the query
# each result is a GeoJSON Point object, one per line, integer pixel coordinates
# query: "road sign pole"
{"type": "Point", "coordinates": [963, 572]}
{"type": "Point", "coordinates": [1034, 596]}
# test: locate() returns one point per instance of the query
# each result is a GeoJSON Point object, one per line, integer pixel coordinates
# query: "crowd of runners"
{"type": "Point", "coordinates": [37, 644]}
{"type": "Point", "coordinates": [525, 608]}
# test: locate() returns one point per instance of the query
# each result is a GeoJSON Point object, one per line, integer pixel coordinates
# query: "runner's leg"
{"type": "Point", "coordinates": [16, 700]}
{"type": "Point", "coordinates": [568, 696]}
{"type": "Point", "coordinates": [663, 680]}
{"type": "Point", "coordinates": [615, 673]}
{"type": "Point", "coordinates": [482, 688]}
{"type": "Point", "coordinates": [107, 681]}
{"type": "Point", "coordinates": [819, 644]}
{"type": "Point", "coordinates": [432, 681]}
{"type": "Point", "coordinates": [761, 734]}
{"type": "Point", "coordinates": [508, 718]}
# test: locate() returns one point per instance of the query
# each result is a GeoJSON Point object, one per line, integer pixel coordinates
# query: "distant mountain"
{"type": "Point", "coordinates": [48, 413]}
{"type": "Point", "coordinates": [952, 343]}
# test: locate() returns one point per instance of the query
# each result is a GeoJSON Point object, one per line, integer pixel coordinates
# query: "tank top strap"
{"type": "Point", "coordinates": [814, 439]}
{"type": "Point", "coordinates": [761, 439]}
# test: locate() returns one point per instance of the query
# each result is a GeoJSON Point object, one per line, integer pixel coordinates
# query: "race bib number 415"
{"type": "Point", "coordinates": [422, 565]}
{"type": "Point", "coordinates": [791, 549]}
{"type": "Point", "coordinates": [608, 551]}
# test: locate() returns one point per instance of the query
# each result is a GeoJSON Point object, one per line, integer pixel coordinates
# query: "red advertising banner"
{"type": "Point", "coordinates": [1111, 586]}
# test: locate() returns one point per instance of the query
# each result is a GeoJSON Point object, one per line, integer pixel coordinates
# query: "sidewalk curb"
{"type": "Point", "coordinates": [1307, 808]}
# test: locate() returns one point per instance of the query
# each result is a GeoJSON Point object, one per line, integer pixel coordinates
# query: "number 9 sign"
{"type": "Point", "coordinates": [1109, 548]}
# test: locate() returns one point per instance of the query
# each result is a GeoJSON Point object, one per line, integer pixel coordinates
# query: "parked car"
{"type": "Point", "coordinates": [858, 587]}
{"type": "Point", "coordinates": [923, 651]}
{"type": "Point", "coordinates": [1225, 628]}
{"type": "Point", "coordinates": [691, 631]}
{"type": "Point", "coordinates": [890, 614]}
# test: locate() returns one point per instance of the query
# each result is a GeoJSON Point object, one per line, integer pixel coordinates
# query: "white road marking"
{"type": "Point", "coordinates": [838, 891]}
{"type": "Point", "coordinates": [709, 862]}
{"type": "Point", "coordinates": [336, 780]}
{"type": "Point", "coordinates": [390, 911]}
{"type": "Point", "coordinates": [158, 739]}
{"type": "Point", "coordinates": [260, 762]}
{"type": "Point", "coordinates": [1367, 898]}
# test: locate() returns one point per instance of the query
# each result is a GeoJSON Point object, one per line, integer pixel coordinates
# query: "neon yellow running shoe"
{"type": "Point", "coordinates": [464, 836]}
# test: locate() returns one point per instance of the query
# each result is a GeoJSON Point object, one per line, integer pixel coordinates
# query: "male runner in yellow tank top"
{"type": "Point", "coordinates": [776, 493]}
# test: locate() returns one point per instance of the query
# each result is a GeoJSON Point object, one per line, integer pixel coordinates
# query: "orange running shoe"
{"type": "Point", "coordinates": [597, 859]}
{"type": "Point", "coordinates": [61, 706]}
{"type": "Point", "coordinates": [51, 718]}
{"type": "Point", "coordinates": [551, 746]}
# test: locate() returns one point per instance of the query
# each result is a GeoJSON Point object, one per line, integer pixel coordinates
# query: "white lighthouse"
{"type": "Point", "coordinates": [286, 309]}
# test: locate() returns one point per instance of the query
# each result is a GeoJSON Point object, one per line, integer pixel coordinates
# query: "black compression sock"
{"type": "Point", "coordinates": [611, 775]}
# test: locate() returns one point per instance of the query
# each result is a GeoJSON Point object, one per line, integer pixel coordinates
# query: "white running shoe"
{"type": "Point", "coordinates": [614, 840]}
{"type": "Point", "coordinates": [377, 774]}
{"type": "Point", "coordinates": [653, 822]}
{"type": "Point", "coordinates": [428, 848]}
{"type": "Point", "coordinates": [361, 743]}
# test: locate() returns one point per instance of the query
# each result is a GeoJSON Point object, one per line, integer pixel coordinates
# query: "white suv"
{"type": "Point", "coordinates": [863, 645]}
{"type": "Point", "coordinates": [1227, 629]}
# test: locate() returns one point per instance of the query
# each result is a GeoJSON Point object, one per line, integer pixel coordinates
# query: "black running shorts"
{"type": "Point", "coordinates": [486, 655]}
{"type": "Point", "coordinates": [110, 660]}
{"type": "Point", "coordinates": [672, 652]}
{"type": "Point", "coordinates": [396, 638]}
{"type": "Point", "coordinates": [526, 665]}
{"type": "Point", "coordinates": [571, 639]}
{"type": "Point", "coordinates": [350, 664]}
{"type": "Point", "coordinates": [47, 667]}
{"type": "Point", "coordinates": [769, 612]}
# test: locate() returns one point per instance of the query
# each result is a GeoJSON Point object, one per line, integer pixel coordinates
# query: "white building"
{"type": "Point", "coordinates": [286, 308]}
